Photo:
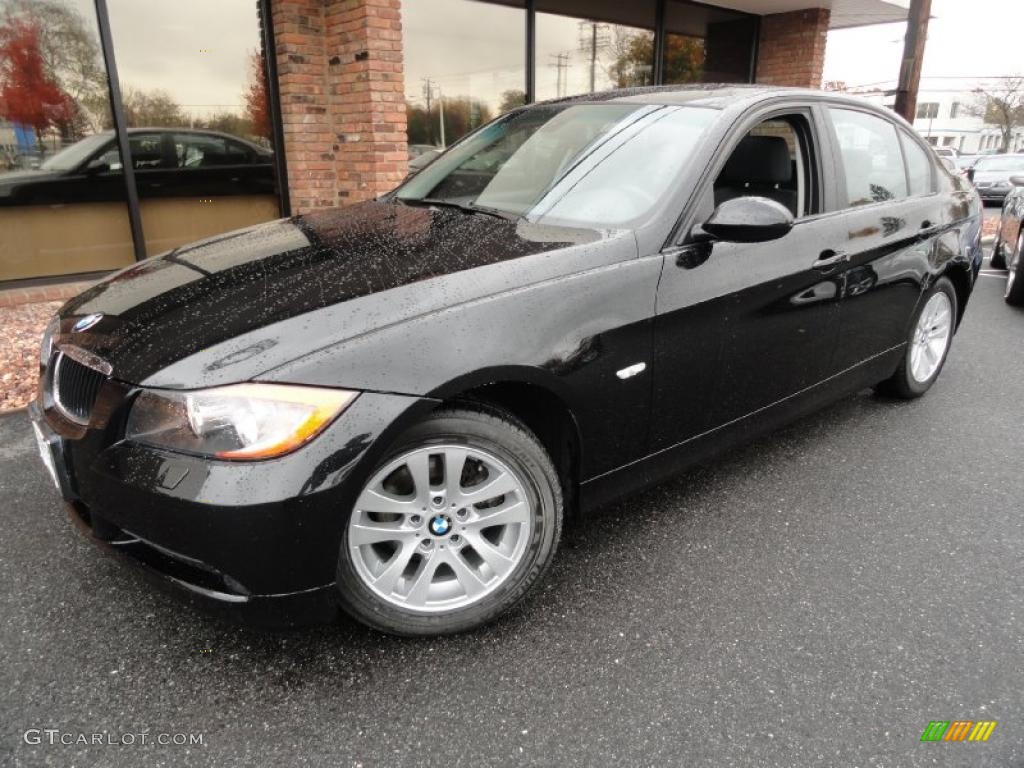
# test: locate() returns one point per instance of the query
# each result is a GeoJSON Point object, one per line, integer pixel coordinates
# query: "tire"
{"type": "Point", "coordinates": [1015, 278]}
{"type": "Point", "coordinates": [998, 260]}
{"type": "Point", "coordinates": [437, 539]}
{"type": "Point", "coordinates": [920, 367]}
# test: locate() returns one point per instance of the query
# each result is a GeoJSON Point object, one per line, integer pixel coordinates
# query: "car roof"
{"type": "Point", "coordinates": [713, 95]}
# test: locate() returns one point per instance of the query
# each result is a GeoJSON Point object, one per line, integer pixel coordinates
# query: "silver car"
{"type": "Point", "coordinates": [991, 175]}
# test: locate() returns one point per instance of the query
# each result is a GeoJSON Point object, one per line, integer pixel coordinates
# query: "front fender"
{"type": "Point", "coordinates": [570, 336]}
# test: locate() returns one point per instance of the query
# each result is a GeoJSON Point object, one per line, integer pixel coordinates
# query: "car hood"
{"type": "Point", "coordinates": [231, 307]}
{"type": "Point", "coordinates": [12, 178]}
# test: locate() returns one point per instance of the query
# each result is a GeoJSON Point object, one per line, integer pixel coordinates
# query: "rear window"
{"type": "Point", "coordinates": [919, 166]}
{"type": "Point", "coordinates": [872, 160]}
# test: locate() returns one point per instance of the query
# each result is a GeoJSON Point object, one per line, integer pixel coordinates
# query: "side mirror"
{"type": "Point", "coordinates": [970, 175]}
{"type": "Point", "coordinates": [749, 220]}
{"type": "Point", "coordinates": [1017, 181]}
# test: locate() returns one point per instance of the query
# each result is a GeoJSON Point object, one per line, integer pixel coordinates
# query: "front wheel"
{"type": "Point", "coordinates": [1015, 279]}
{"type": "Point", "coordinates": [931, 334]}
{"type": "Point", "coordinates": [453, 528]}
{"type": "Point", "coordinates": [998, 256]}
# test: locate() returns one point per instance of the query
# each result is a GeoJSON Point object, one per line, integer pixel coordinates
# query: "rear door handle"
{"type": "Point", "coordinates": [829, 260]}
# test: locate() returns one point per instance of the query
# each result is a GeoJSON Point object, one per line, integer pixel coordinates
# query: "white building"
{"type": "Point", "coordinates": [945, 119]}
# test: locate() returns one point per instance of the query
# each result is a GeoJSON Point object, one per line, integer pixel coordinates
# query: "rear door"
{"type": "Point", "coordinates": [743, 326]}
{"type": "Point", "coordinates": [888, 198]}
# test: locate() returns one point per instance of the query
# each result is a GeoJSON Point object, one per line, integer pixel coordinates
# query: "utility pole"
{"type": "Point", "coordinates": [428, 95]}
{"type": "Point", "coordinates": [593, 53]}
{"type": "Point", "coordinates": [440, 109]}
{"type": "Point", "coordinates": [561, 64]}
{"type": "Point", "coordinates": [913, 58]}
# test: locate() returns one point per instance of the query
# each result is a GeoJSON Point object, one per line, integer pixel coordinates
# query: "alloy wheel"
{"type": "Point", "coordinates": [439, 527]}
{"type": "Point", "coordinates": [931, 337]}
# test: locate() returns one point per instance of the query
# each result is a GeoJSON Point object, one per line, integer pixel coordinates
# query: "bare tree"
{"type": "Point", "coordinates": [1002, 106]}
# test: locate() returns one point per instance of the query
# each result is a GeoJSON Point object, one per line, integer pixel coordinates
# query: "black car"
{"type": "Point", "coordinates": [168, 162]}
{"type": "Point", "coordinates": [1009, 244]}
{"type": "Point", "coordinates": [394, 406]}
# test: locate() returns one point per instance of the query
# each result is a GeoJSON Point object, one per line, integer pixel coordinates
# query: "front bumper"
{"type": "Point", "coordinates": [242, 535]}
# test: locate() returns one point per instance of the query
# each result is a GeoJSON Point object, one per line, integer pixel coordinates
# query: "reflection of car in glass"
{"type": "Point", "coordinates": [1009, 244]}
{"type": "Point", "coordinates": [168, 162]}
{"type": "Point", "coordinates": [392, 406]}
{"type": "Point", "coordinates": [991, 175]}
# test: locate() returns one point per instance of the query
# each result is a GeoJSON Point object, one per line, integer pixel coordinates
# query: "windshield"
{"type": "Point", "coordinates": [1000, 163]}
{"type": "Point", "coordinates": [603, 164]}
{"type": "Point", "coordinates": [71, 157]}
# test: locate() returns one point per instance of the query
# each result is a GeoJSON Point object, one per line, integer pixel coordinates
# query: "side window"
{"type": "Point", "coordinates": [197, 150]}
{"type": "Point", "coordinates": [147, 153]}
{"type": "Point", "coordinates": [773, 160]}
{"type": "Point", "coordinates": [919, 166]}
{"type": "Point", "coordinates": [872, 159]}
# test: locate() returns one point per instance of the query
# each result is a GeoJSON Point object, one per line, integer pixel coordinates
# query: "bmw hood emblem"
{"type": "Point", "coordinates": [87, 322]}
{"type": "Point", "coordinates": [440, 525]}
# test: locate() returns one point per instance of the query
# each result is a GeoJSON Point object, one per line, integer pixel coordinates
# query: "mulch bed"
{"type": "Point", "coordinates": [23, 327]}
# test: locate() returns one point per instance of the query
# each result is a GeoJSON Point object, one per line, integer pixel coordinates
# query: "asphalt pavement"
{"type": "Point", "coordinates": [814, 599]}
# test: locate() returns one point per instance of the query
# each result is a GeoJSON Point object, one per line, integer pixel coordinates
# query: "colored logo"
{"type": "Point", "coordinates": [440, 525]}
{"type": "Point", "coordinates": [958, 730]}
{"type": "Point", "coordinates": [87, 322]}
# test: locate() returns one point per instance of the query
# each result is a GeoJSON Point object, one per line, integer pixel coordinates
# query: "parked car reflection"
{"type": "Point", "coordinates": [168, 162]}
{"type": "Point", "coordinates": [68, 215]}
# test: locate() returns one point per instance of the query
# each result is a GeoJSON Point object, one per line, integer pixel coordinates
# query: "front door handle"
{"type": "Point", "coordinates": [829, 260]}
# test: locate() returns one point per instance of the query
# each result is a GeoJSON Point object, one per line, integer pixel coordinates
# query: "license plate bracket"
{"type": "Point", "coordinates": [51, 451]}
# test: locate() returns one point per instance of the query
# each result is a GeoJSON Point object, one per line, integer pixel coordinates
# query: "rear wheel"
{"type": "Point", "coordinates": [931, 334]}
{"type": "Point", "coordinates": [453, 528]}
{"type": "Point", "coordinates": [1015, 279]}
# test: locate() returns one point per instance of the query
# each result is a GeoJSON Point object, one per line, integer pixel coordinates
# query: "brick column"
{"type": "Point", "coordinates": [791, 50]}
{"type": "Point", "coordinates": [342, 103]}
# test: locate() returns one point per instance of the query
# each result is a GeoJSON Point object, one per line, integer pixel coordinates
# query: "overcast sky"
{"type": "Point", "coordinates": [966, 39]}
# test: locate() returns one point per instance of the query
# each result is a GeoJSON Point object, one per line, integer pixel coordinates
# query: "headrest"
{"type": "Point", "coordinates": [758, 160]}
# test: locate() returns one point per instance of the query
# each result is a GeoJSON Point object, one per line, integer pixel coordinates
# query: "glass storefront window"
{"type": "Point", "coordinates": [707, 45]}
{"type": "Point", "coordinates": [60, 212]}
{"type": "Point", "coordinates": [612, 47]}
{"type": "Point", "coordinates": [195, 102]}
{"type": "Point", "coordinates": [464, 64]}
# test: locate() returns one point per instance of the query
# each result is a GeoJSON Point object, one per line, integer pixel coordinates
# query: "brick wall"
{"type": "Point", "coordinates": [791, 50]}
{"type": "Point", "coordinates": [342, 105]}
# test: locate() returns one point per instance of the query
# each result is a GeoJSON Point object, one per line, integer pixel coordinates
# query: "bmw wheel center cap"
{"type": "Point", "coordinates": [440, 525]}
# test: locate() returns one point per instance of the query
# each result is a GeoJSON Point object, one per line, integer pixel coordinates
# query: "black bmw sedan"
{"type": "Point", "coordinates": [393, 407]}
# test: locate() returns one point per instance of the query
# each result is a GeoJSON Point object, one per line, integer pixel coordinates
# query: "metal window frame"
{"type": "Point", "coordinates": [121, 127]}
{"type": "Point", "coordinates": [121, 130]}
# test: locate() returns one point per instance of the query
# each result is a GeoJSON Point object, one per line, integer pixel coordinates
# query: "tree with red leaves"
{"type": "Point", "coordinates": [28, 94]}
{"type": "Point", "coordinates": [256, 97]}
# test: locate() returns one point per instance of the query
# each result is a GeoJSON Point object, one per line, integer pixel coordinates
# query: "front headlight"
{"type": "Point", "coordinates": [241, 421]}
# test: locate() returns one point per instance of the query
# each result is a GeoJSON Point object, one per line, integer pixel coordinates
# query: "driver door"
{"type": "Point", "coordinates": [743, 326]}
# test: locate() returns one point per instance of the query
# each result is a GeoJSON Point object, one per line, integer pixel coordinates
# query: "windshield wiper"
{"type": "Point", "coordinates": [466, 207]}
